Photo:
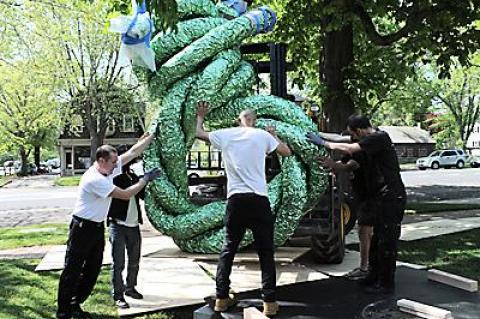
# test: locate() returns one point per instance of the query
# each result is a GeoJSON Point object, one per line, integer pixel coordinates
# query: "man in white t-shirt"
{"type": "Point", "coordinates": [244, 149]}
{"type": "Point", "coordinates": [86, 242]}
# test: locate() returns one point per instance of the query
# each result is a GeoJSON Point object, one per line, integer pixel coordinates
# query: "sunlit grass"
{"type": "Point", "coordinates": [26, 294]}
{"type": "Point", "coordinates": [35, 235]}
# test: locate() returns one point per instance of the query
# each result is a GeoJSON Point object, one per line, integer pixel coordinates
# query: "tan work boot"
{"type": "Point", "coordinates": [270, 308]}
{"type": "Point", "coordinates": [222, 305]}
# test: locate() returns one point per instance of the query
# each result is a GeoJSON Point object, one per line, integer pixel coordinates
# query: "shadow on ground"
{"type": "Point", "coordinates": [442, 192]}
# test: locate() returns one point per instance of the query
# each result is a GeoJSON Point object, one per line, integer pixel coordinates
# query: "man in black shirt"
{"type": "Point", "coordinates": [390, 198]}
{"type": "Point", "coordinates": [365, 181]}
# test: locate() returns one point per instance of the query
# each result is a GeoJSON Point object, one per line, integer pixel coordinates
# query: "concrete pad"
{"type": "Point", "coordinates": [433, 228]}
{"type": "Point", "coordinates": [55, 257]}
{"type": "Point", "coordinates": [282, 254]}
{"type": "Point", "coordinates": [247, 276]}
{"type": "Point", "coordinates": [352, 237]}
{"type": "Point", "coordinates": [168, 283]}
{"type": "Point", "coordinates": [350, 262]}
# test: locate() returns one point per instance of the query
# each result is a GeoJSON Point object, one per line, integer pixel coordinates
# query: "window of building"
{"type": "Point", "coordinates": [76, 125]}
{"type": "Point", "coordinates": [128, 124]}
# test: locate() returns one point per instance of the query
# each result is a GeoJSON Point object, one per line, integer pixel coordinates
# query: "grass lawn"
{"type": "Point", "coordinates": [5, 180]}
{"type": "Point", "coordinates": [68, 180]}
{"type": "Point", "coordinates": [35, 235]}
{"type": "Point", "coordinates": [457, 253]}
{"type": "Point", "coordinates": [432, 207]}
{"type": "Point", "coordinates": [26, 294]}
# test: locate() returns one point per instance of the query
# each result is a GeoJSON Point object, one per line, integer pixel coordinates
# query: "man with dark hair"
{"type": "Point", "coordinates": [124, 219]}
{"type": "Point", "coordinates": [86, 242]}
{"type": "Point", "coordinates": [390, 198]}
{"type": "Point", "coordinates": [365, 181]}
{"type": "Point", "coordinates": [244, 149]}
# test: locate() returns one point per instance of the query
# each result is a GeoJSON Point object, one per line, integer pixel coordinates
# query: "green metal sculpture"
{"type": "Point", "coordinates": [200, 60]}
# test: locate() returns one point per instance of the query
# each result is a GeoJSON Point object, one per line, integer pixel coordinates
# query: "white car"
{"type": "Point", "coordinates": [443, 158]}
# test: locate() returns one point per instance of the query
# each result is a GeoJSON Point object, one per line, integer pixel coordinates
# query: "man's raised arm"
{"type": "Point", "coordinates": [137, 149]}
{"type": "Point", "coordinates": [202, 109]}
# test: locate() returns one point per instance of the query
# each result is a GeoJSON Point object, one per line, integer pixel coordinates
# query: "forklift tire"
{"type": "Point", "coordinates": [349, 213]}
{"type": "Point", "coordinates": [329, 249]}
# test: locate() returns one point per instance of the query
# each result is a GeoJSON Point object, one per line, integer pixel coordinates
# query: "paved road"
{"type": "Point", "coordinates": [447, 177]}
{"type": "Point", "coordinates": [443, 184]}
{"type": "Point", "coordinates": [35, 199]}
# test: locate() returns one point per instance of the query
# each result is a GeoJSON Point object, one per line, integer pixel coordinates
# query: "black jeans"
{"type": "Point", "coordinates": [384, 246]}
{"type": "Point", "coordinates": [253, 212]}
{"type": "Point", "coordinates": [83, 262]}
{"type": "Point", "coordinates": [121, 238]}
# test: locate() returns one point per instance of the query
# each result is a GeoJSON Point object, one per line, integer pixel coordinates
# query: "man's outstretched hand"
{"type": "Point", "coordinates": [202, 109]}
{"type": "Point", "coordinates": [315, 139]}
{"type": "Point", "coordinates": [152, 174]}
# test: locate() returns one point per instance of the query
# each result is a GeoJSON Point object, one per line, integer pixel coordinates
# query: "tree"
{"type": "Point", "coordinates": [81, 59]}
{"type": "Point", "coordinates": [459, 96]}
{"type": "Point", "coordinates": [29, 117]}
{"type": "Point", "coordinates": [322, 36]}
{"type": "Point", "coordinates": [455, 100]}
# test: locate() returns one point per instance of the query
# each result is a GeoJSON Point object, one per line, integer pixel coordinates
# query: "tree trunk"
{"type": "Point", "coordinates": [96, 140]}
{"type": "Point", "coordinates": [337, 56]}
{"type": "Point", "coordinates": [24, 161]}
{"type": "Point", "coordinates": [36, 155]}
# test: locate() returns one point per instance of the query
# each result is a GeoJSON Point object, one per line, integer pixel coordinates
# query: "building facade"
{"type": "Point", "coordinates": [74, 143]}
{"type": "Point", "coordinates": [473, 142]}
{"type": "Point", "coordinates": [410, 142]}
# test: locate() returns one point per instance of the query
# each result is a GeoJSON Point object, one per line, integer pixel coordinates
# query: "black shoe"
{"type": "Point", "coordinates": [121, 303]}
{"type": "Point", "coordinates": [77, 312]}
{"type": "Point", "coordinates": [379, 290]}
{"type": "Point", "coordinates": [133, 293]}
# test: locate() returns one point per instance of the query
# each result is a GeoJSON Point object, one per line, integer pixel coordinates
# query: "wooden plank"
{"type": "Point", "coordinates": [253, 313]}
{"type": "Point", "coordinates": [424, 311]}
{"type": "Point", "coordinates": [453, 280]}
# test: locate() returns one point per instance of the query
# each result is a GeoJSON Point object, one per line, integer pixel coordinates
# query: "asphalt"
{"type": "Point", "coordinates": [339, 298]}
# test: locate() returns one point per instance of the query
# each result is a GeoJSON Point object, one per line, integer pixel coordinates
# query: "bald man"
{"type": "Point", "coordinates": [244, 149]}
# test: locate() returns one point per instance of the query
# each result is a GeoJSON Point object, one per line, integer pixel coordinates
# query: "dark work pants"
{"type": "Point", "coordinates": [253, 212]}
{"type": "Point", "coordinates": [83, 262]}
{"type": "Point", "coordinates": [384, 246]}
{"type": "Point", "coordinates": [123, 237]}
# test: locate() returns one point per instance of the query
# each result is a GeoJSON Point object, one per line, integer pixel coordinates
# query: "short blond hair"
{"type": "Point", "coordinates": [246, 113]}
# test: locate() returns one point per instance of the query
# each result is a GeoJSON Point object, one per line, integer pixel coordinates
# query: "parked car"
{"type": "Point", "coordinates": [475, 161]}
{"type": "Point", "coordinates": [43, 168]}
{"type": "Point", "coordinates": [31, 169]}
{"type": "Point", "coordinates": [443, 158]}
{"type": "Point", "coordinates": [53, 162]}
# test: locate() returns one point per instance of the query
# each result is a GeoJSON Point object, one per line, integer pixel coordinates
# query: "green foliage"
{"type": "Point", "coordinates": [404, 105]}
{"type": "Point", "coordinates": [28, 115]}
{"type": "Point", "coordinates": [64, 47]}
{"type": "Point", "coordinates": [403, 33]}
{"type": "Point", "coordinates": [67, 181]}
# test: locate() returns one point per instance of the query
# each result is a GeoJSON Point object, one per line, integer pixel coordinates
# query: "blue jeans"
{"type": "Point", "coordinates": [124, 238]}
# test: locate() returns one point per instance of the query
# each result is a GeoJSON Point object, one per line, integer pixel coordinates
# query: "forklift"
{"type": "Point", "coordinates": [324, 227]}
